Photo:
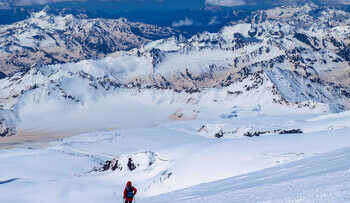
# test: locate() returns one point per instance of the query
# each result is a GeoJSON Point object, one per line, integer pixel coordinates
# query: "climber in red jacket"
{"type": "Point", "coordinates": [129, 192]}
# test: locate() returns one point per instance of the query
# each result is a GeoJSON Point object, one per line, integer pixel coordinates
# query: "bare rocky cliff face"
{"type": "Point", "coordinates": [53, 39]}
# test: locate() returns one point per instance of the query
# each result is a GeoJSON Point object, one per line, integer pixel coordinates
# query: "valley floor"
{"type": "Point", "coordinates": [32, 138]}
{"type": "Point", "coordinates": [177, 162]}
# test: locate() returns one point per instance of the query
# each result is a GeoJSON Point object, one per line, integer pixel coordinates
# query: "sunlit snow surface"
{"type": "Point", "coordinates": [322, 178]}
{"type": "Point", "coordinates": [171, 136]}
{"type": "Point", "coordinates": [309, 167]}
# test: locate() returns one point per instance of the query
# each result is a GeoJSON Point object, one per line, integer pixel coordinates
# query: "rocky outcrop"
{"type": "Point", "coordinates": [138, 162]}
{"type": "Point", "coordinates": [7, 123]}
{"type": "Point", "coordinates": [279, 131]}
{"type": "Point", "coordinates": [225, 130]}
{"type": "Point", "coordinates": [181, 115]}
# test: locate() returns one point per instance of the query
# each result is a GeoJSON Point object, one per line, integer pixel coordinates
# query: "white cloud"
{"type": "Point", "coordinates": [39, 2]}
{"type": "Point", "coordinates": [42, 2]}
{"type": "Point", "coordinates": [185, 22]}
{"type": "Point", "coordinates": [346, 2]}
{"type": "Point", "coordinates": [225, 2]}
{"type": "Point", "coordinates": [8, 3]}
{"type": "Point", "coordinates": [4, 5]}
{"type": "Point", "coordinates": [214, 21]}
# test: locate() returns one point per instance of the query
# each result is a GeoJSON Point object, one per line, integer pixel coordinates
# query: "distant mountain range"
{"type": "Point", "coordinates": [202, 17]}
{"type": "Point", "coordinates": [18, 56]}
{"type": "Point", "coordinates": [290, 57]}
{"type": "Point", "coordinates": [52, 39]}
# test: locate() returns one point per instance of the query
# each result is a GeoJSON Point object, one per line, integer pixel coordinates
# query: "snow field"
{"type": "Point", "coordinates": [63, 170]}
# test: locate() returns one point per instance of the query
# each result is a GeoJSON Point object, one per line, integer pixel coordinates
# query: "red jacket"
{"type": "Point", "coordinates": [134, 191]}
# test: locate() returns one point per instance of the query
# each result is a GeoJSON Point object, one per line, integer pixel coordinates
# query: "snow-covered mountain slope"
{"type": "Point", "coordinates": [38, 94]}
{"type": "Point", "coordinates": [273, 64]}
{"type": "Point", "coordinates": [53, 39]}
{"type": "Point", "coordinates": [252, 113]}
{"type": "Point", "coordinates": [174, 156]}
{"type": "Point", "coordinates": [322, 178]}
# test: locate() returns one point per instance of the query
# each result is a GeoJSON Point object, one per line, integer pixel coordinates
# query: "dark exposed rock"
{"type": "Point", "coordinates": [219, 134]}
{"type": "Point", "coordinates": [234, 93]}
{"type": "Point", "coordinates": [345, 53]}
{"type": "Point", "coordinates": [7, 127]}
{"type": "Point", "coordinates": [141, 161]}
{"type": "Point", "coordinates": [193, 90]}
{"type": "Point", "coordinates": [107, 165]}
{"type": "Point", "coordinates": [131, 165]}
{"type": "Point", "coordinates": [2, 75]}
{"type": "Point", "coordinates": [279, 131]}
{"type": "Point", "coordinates": [293, 131]}
{"type": "Point", "coordinates": [116, 166]}
{"type": "Point", "coordinates": [6, 131]}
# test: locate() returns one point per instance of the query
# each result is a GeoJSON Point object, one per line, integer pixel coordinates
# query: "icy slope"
{"type": "Point", "coordinates": [321, 178]}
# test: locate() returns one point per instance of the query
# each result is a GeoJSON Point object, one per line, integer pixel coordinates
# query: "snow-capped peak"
{"type": "Point", "coordinates": [56, 39]}
{"type": "Point", "coordinates": [274, 62]}
{"type": "Point", "coordinates": [43, 13]}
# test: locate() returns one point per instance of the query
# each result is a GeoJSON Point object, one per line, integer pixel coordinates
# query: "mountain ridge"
{"type": "Point", "coordinates": [278, 61]}
{"type": "Point", "coordinates": [53, 39]}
